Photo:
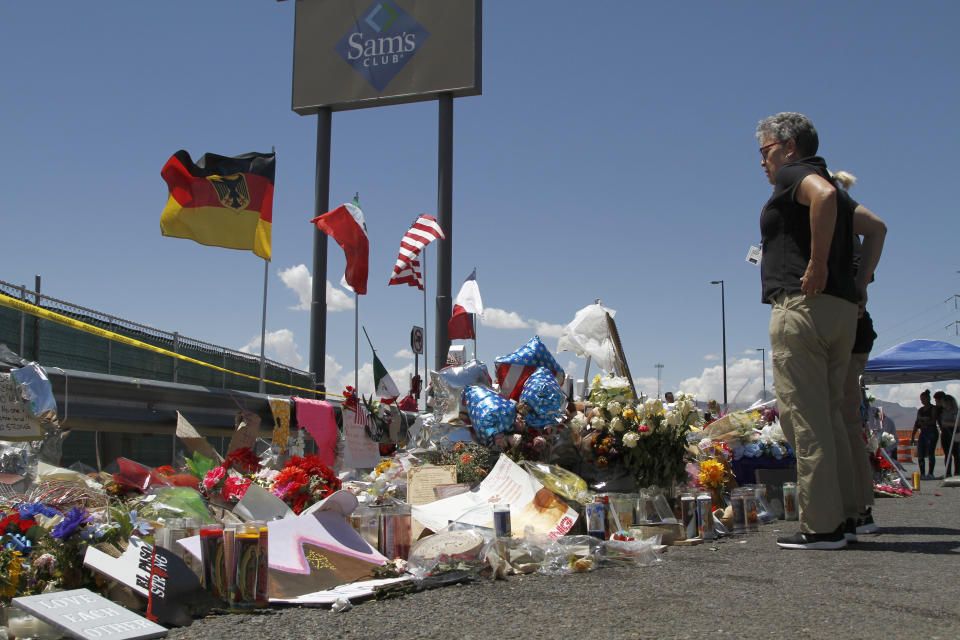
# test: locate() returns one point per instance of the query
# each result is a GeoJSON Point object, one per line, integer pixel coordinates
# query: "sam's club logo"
{"type": "Point", "coordinates": [381, 42]}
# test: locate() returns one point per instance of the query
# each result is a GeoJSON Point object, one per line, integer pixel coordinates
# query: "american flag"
{"type": "Point", "coordinates": [424, 231]}
{"type": "Point", "coordinates": [410, 275]}
{"type": "Point", "coordinates": [361, 418]}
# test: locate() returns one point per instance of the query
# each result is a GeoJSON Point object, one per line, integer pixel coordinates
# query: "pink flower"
{"type": "Point", "coordinates": [643, 429]}
{"type": "Point", "coordinates": [213, 477]}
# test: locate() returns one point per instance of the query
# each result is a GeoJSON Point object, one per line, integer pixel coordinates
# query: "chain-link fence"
{"type": "Point", "coordinates": [55, 345]}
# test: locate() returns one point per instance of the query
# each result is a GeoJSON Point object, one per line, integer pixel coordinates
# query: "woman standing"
{"type": "Point", "coordinates": [926, 424]}
{"type": "Point", "coordinates": [947, 420]}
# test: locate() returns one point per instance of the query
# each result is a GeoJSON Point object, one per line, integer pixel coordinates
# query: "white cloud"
{"type": "Point", "coordinates": [338, 378]}
{"type": "Point", "coordinates": [744, 383]}
{"type": "Point", "coordinates": [280, 346]}
{"type": "Point", "coordinates": [299, 280]}
{"type": "Point", "coordinates": [500, 319]}
{"type": "Point", "coordinates": [547, 330]}
{"type": "Point", "coordinates": [405, 354]}
{"type": "Point", "coordinates": [711, 357]}
{"type": "Point", "coordinates": [908, 395]}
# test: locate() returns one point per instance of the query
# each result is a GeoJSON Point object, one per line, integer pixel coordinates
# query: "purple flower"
{"type": "Point", "coordinates": [70, 523]}
{"type": "Point", "coordinates": [31, 509]}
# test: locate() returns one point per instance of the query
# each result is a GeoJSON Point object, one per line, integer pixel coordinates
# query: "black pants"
{"type": "Point", "coordinates": [951, 451]}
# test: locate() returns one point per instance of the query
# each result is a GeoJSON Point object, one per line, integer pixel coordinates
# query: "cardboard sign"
{"type": "Point", "coordinates": [421, 482]}
{"type": "Point", "coordinates": [82, 614]}
{"type": "Point", "coordinates": [193, 441]}
{"type": "Point", "coordinates": [15, 421]}
{"type": "Point", "coordinates": [316, 552]}
{"type": "Point", "coordinates": [359, 451]}
{"type": "Point", "coordinates": [245, 435]}
{"type": "Point", "coordinates": [156, 573]}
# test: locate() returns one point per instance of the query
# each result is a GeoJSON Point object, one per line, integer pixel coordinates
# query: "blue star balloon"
{"type": "Point", "coordinates": [514, 369]}
{"type": "Point", "coordinates": [546, 399]}
{"type": "Point", "coordinates": [490, 413]}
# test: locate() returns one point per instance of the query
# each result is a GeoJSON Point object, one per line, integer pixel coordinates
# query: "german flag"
{"type": "Point", "coordinates": [220, 201]}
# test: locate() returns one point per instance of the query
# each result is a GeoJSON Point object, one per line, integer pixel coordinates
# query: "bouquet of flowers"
{"type": "Point", "coordinates": [227, 481]}
{"type": "Point", "coordinates": [472, 459]}
{"type": "Point", "coordinates": [303, 481]}
{"type": "Point", "coordinates": [647, 439]}
{"type": "Point", "coordinates": [715, 471]}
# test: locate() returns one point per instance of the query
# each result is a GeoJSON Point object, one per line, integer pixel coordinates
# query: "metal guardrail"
{"type": "Point", "coordinates": [114, 323]}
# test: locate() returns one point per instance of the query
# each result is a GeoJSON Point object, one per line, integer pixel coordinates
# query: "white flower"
{"type": "Point", "coordinates": [631, 439]}
{"type": "Point", "coordinates": [652, 407]}
{"type": "Point", "coordinates": [616, 424]}
{"type": "Point", "coordinates": [598, 423]}
{"type": "Point", "coordinates": [672, 418]}
{"type": "Point", "coordinates": [578, 420]}
{"type": "Point", "coordinates": [614, 408]}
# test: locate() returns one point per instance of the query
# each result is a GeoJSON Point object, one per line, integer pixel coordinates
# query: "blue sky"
{"type": "Point", "coordinates": [610, 156]}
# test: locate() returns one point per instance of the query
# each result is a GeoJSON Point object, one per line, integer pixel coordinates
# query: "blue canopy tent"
{"type": "Point", "coordinates": [914, 361]}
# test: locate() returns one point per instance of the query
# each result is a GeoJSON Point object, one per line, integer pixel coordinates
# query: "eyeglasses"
{"type": "Point", "coordinates": [763, 149]}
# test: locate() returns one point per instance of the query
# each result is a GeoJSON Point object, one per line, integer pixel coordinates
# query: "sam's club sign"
{"type": "Point", "coordinates": [350, 54]}
{"type": "Point", "coordinates": [381, 42]}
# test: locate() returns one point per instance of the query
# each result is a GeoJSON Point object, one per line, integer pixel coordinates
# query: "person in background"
{"type": "Point", "coordinates": [807, 277]}
{"type": "Point", "coordinates": [946, 419]}
{"type": "Point", "coordinates": [859, 512]}
{"type": "Point", "coordinates": [926, 424]}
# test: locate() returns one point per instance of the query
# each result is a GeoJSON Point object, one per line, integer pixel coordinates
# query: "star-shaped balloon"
{"type": "Point", "coordinates": [490, 413]}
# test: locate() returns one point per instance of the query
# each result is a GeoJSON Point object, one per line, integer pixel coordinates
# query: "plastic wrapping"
{"type": "Point", "coordinates": [508, 556]}
{"type": "Point", "coordinates": [449, 383]}
{"type": "Point", "coordinates": [457, 547]}
{"type": "Point", "coordinates": [36, 390]}
{"type": "Point", "coordinates": [571, 554]}
{"type": "Point", "coordinates": [631, 553]}
{"type": "Point", "coordinates": [174, 502]}
{"type": "Point", "coordinates": [565, 484]}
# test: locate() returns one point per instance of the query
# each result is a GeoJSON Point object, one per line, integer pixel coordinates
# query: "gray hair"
{"type": "Point", "coordinates": [790, 126]}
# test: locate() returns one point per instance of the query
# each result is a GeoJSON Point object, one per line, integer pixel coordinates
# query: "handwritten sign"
{"type": "Point", "coordinates": [82, 614]}
{"type": "Point", "coordinates": [15, 422]}
{"type": "Point", "coordinates": [359, 451]}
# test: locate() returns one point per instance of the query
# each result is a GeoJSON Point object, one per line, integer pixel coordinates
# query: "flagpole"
{"type": "Point", "coordinates": [356, 345]}
{"type": "Point", "coordinates": [263, 327]}
{"type": "Point", "coordinates": [426, 340]}
{"type": "Point", "coordinates": [475, 328]}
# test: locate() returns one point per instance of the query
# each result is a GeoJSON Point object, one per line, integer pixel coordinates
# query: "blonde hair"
{"type": "Point", "coordinates": [844, 179]}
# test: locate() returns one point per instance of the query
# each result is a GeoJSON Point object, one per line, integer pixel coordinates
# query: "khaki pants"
{"type": "Point", "coordinates": [859, 459]}
{"type": "Point", "coordinates": [811, 339]}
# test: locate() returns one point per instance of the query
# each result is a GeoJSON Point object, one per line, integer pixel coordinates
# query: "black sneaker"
{"type": "Point", "coordinates": [865, 523]}
{"type": "Point", "coordinates": [850, 530]}
{"type": "Point", "coordinates": [801, 540]}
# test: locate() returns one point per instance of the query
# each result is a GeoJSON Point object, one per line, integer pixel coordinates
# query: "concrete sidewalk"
{"type": "Point", "coordinates": [899, 583]}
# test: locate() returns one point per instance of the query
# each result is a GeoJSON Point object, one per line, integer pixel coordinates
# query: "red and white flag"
{"type": "Point", "coordinates": [360, 417]}
{"type": "Point", "coordinates": [424, 231]}
{"type": "Point", "coordinates": [410, 275]}
{"type": "Point", "coordinates": [347, 226]}
{"type": "Point", "coordinates": [460, 325]}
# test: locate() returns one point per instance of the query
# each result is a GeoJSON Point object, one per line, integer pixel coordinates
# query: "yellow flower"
{"type": "Point", "coordinates": [628, 413]}
{"type": "Point", "coordinates": [712, 473]}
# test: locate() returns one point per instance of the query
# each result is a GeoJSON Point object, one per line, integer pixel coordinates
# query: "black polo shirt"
{"type": "Point", "coordinates": [785, 231]}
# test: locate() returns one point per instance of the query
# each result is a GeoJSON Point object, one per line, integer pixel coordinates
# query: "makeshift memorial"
{"type": "Point", "coordinates": [420, 484]}
{"type": "Point", "coordinates": [317, 417]}
{"type": "Point", "coordinates": [447, 550]}
{"type": "Point", "coordinates": [280, 408]}
{"type": "Point", "coordinates": [514, 369]}
{"type": "Point", "coordinates": [16, 422]}
{"type": "Point", "coordinates": [559, 480]}
{"type": "Point", "coordinates": [715, 474]}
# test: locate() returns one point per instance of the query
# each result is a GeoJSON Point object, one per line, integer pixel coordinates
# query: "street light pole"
{"type": "Point", "coordinates": [659, 367]}
{"type": "Point", "coordinates": [763, 368]}
{"type": "Point", "coordinates": [723, 329]}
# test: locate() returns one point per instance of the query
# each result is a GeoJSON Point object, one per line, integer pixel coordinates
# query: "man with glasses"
{"type": "Point", "coordinates": [807, 277]}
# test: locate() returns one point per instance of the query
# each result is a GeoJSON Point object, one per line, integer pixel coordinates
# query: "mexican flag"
{"type": "Point", "coordinates": [347, 226]}
{"type": "Point", "coordinates": [386, 388]}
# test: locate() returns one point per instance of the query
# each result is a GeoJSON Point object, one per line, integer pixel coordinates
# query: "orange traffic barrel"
{"type": "Point", "coordinates": [904, 450]}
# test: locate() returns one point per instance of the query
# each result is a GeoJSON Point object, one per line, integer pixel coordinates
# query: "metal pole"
{"type": "Point", "coordinates": [321, 202]}
{"type": "Point", "coordinates": [425, 382]}
{"type": "Point", "coordinates": [176, 349]}
{"type": "Point", "coordinates": [763, 369]}
{"type": "Point", "coordinates": [445, 219]}
{"type": "Point", "coordinates": [261, 387]}
{"type": "Point", "coordinates": [23, 319]}
{"type": "Point", "coordinates": [659, 368]}
{"type": "Point", "coordinates": [356, 344]}
{"type": "Point", "coordinates": [36, 320]}
{"type": "Point", "coordinates": [723, 329]}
